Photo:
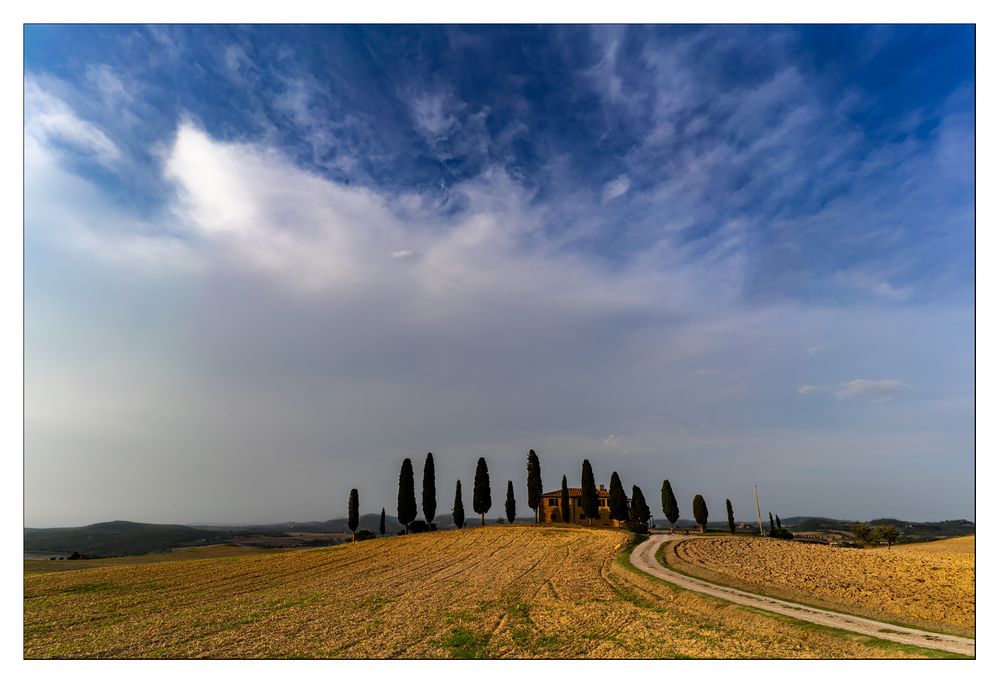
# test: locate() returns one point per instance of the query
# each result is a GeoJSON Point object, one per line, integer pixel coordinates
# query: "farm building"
{"type": "Point", "coordinates": [550, 510]}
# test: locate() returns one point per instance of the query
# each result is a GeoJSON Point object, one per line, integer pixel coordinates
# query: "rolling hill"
{"type": "Point", "coordinates": [501, 591]}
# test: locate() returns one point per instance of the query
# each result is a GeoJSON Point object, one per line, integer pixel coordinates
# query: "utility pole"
{"type": "Point", "coordinates": [759, 521]}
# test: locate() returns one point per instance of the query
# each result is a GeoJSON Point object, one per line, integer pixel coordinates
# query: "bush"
{"type": "Point", "coordinates": [363, 535]}
{"type": "Point", "coordinates": [418, 526]}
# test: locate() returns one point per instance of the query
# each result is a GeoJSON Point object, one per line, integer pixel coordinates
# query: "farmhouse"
{"type": "Point", "coordinates": [550, 510]}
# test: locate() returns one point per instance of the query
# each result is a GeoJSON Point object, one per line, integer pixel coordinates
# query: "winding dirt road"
{"type": "Point", "coordinates": [644, 558]}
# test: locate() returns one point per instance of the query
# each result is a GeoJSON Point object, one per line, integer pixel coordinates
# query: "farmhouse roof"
{"type": "Point", "coordinates": [576, 491]}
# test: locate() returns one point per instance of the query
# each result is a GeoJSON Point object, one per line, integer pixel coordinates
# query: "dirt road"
{"type": "Point", "coordinates": [644, 558]}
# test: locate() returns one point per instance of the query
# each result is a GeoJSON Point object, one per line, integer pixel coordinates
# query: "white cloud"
{"type": "Point", "coordinates": [108, 83]}
{"type": "Point", "coordinates": [48, 119]}
{"type": "Point", "coordinates": [813, 349]}
{"type": "Point", "coordinates": [432, 115]}
{"type": "Point", "coordinates": [876, 390]}
{"type": "Point", "coordinates": [616, 188]}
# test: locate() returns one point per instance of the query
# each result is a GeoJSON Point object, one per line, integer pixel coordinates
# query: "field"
{"type": "Point", "coordinates": [192, 553]}
{"type": "Point", "coordinates": [929, 585]}
{"type": "Point", "coordinates": [511, 591]}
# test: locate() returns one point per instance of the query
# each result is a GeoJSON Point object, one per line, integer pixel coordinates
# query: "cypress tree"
{"type": "Point", "coordinates": [639, 514]}
{"type": "Point", "coordinates": [777, 523]}
{"type": "Point", "coordinates": [588, 494]}
{"type": "Point", "coordinates": [352, 513]}
{"type": "Point", "coordinates": [669, 503]}
{"type": "Point", "coordinates": [564, 501]}
{"type": "Point", "coordinates": [481, 499]}
{"type": "Point", "coordinates": [729, 515]}
{"type": "Point", "coordinates": [618, 501]}
{"type": "Point", "coordinates": [428, 499]}
{"type": "Point", "coordinates": [381, 524]}
{"type": "Point", "coordinates": [534, 482]}
{"type": "Point", "coordinates": [700, 511]}
{"type": "Point", "coordinates": [510, 506]}
{"type": "Point", "coordinates": [770, 529]}
{"type": "Point", "coordinates": [406, 500]}
{"type": "Point", "coordinates": [458, 510]}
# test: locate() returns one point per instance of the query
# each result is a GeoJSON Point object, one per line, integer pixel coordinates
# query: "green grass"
{"type": "Point", "coordinates": [465, 643]}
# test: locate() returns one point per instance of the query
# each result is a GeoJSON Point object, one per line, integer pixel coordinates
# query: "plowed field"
{"type": "Point", "coordinates": [929, 585]}
{"type": "Point", "coordinates": [501, 591]}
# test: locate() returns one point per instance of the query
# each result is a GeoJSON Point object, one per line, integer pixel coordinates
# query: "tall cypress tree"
{"type": "Point", "coordinates": [639, 515]}
{"type": "Point", "coordinates": [458, 510]}
{"type": "Point", "coordinates": [564, 501]}
{"type": "Point", "coordinates": [617, 499]}
{"type": "Point", "coordinates": [352, 513]}
{"type": "Point", "coordinates": [770, 529]}
{"type": "Point", "coordinates": [481, 499]}
{"type": "Point", "coordinates": [729, 515]}
{"type": "Point", "coordinates": [406, 500]}
{"type": "Point", "coordinates": [534, 482]}
{"type": "Point", "coordinates": [777, 522]}
{"type": "Point", "coordinates": [428, 499]}
{"type": "Point", "coordinates": [511, 505]}
{"type": "Point", "coordinates": [588, 493]}
{"type": "Point", "coordinates": [669, 503]}
{"type": "Point", "coordinates": [700, 511]}
{"type": "Point", "coordinates": [381, 524]}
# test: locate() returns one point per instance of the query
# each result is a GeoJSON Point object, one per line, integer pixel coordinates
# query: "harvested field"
{"type": "Point", "coordinates": [929, 585]}
{"type": "Point", "coordinates": [187, 553]}
{"type": "Point", "coordinates": [511, 591]}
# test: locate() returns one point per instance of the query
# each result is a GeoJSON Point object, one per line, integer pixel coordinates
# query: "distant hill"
{"type": "Point", "coordinates": [116, 538]}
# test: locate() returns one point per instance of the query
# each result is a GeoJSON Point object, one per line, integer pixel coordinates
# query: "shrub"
{"type": "Point", "coordinates": [362, 535]}
{"type": "Point", "coordinates": [419, 526]}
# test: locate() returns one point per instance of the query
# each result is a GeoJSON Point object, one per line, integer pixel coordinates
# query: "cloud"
{"type": "Point", "coordinates": [432, 115]}
{"type": "Point", "coordinates": [50, 120]}
{"type": "Point", "coordinates": [814, 349]}
{"type": "Point", "coordinates": [615, 188]}
{"type": "Point", "coordinates": [877, 391]}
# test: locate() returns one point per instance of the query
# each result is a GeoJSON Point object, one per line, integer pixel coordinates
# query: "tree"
{"type": "Point", "coordinates": [564, 501]}
{"type": "Point", "coordinates": [428, 499]}
{"type": "Point", "coordinates": [729, 515]}
{"type": "Point", "coordinates": [352, 512]}
{"type": "Point", "coordinates": [669, 503]}
{"type": "Point", "coordinates": [889, 533]}
{"type": "Point", "coordinates": [617, 500]}
{"type": "Point", "coordinates": [381, 524]}
{"type": "Point", "coordinates": [481, 499]}
{"type": "Point", "coordinates": [510, 507]}
{"type": "Point", "coordinates": [588, 493]}
{"type": "Point", "coordinates": [534, 482]}
{"type": "Point", "coordinates": [458, 510]}
{"type": "Point", "coordinates": [863, 533]}
{"type": "Point", "coordinates": [639, 514]}
{"type": "Point", "coordinates": [777, 522]}
{"type": "Point", "coordinates": [700, 511]}
{"type": "Point", "coordinates": [770, 530]}
{"type": "Point", "coordinates": [406, 500]}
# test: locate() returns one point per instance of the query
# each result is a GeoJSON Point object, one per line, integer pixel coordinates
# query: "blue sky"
{"type": "Point", "coordinates": [264, 264]}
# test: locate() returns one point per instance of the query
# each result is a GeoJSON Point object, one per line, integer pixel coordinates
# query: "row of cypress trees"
{"type": "Point", "coordinates": [634, 512]}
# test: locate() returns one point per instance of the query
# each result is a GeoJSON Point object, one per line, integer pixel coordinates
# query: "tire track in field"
{"type": "Point", "coordinates": [643, 557]}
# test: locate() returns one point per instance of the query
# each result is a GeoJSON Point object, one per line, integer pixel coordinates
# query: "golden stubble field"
{"type": "Point", "coordinates": [930, 585]}
{"type": "Point", "coordinates": [515, 591]}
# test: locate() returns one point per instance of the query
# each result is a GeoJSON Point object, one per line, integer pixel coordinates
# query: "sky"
{"type": "Point", "coordinates": [263, 265]}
